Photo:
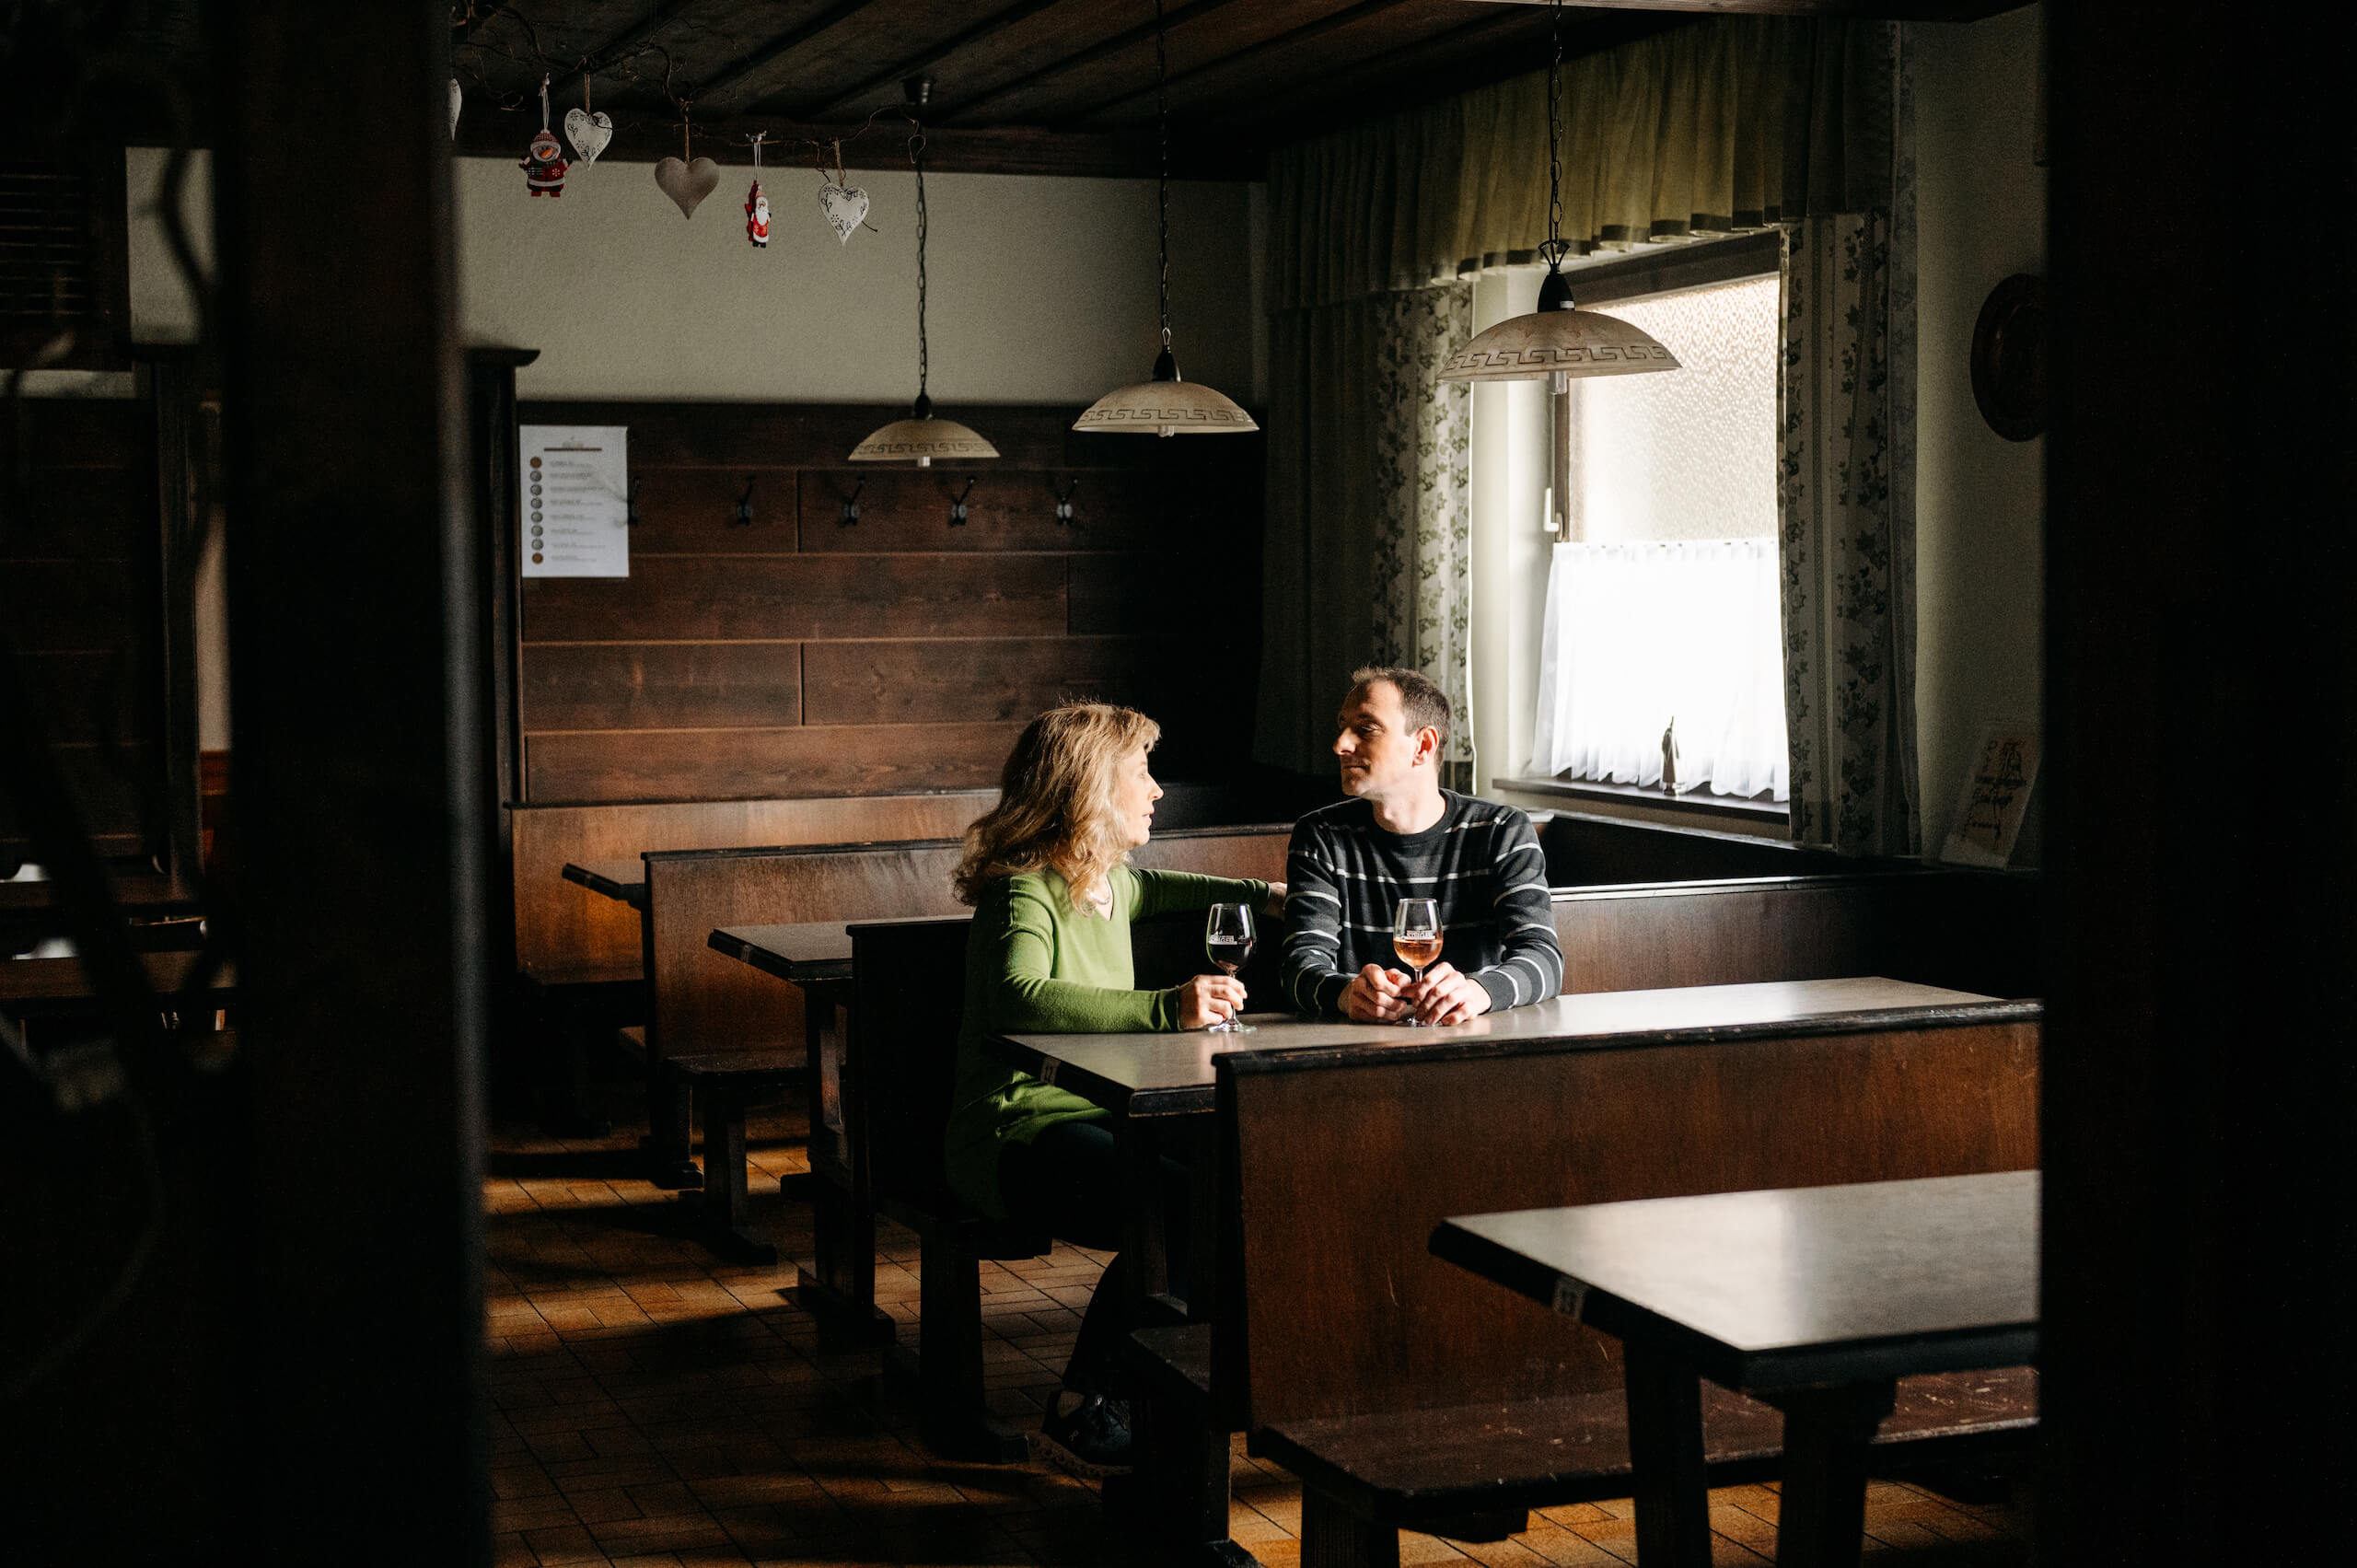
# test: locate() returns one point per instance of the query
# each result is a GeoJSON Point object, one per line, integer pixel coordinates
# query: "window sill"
{"type": "Point", "coordinates": [1696, 804]}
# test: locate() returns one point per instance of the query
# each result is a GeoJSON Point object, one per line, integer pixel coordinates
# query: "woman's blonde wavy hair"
{"type": "Point", "coordinates": [1056, 807]}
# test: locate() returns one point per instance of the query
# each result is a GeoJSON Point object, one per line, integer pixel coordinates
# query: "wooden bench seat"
{"type": "Point", "coordinates": [1435, 1471]}
{"type": "Point", "coordinates": [724, 1086]}
{"type": "Point", "coordinates": [1404, 1390]}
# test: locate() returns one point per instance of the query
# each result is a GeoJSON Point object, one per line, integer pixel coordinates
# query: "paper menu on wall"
{"type": "Point", "coordinates": [575, 481]}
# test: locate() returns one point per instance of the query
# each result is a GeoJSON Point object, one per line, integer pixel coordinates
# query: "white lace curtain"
{"type": "Point", "coordinates": [1639, 634]}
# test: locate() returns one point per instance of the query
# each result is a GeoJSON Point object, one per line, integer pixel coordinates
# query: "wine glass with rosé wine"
{"type": "Point", "coordinates": [1416, 937]}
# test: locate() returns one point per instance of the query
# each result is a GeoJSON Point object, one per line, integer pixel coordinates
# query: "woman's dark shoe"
{"type": "Point", "coordinates": [1085, 1435]}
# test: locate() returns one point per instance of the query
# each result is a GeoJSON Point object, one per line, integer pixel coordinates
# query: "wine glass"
{"type": "Point", "coordinates": [1416, 937]}
{"type": "Point", "coordinates": [1227, 942]}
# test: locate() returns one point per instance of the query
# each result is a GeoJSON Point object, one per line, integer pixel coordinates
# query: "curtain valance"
{"type": "Point", "coordinates": [1730, 123]}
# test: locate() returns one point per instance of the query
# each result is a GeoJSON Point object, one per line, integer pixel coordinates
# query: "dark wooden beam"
{"type": "Point", "coordinates": [360, 832]}
{"type": "Point", "coordinates": [1172, 17]}
{"type": "Point", "coordinates": [1330, 23]}
{"type": "Point", "coordinates": [929, 59]}
{"type": "Point", "coordinates": [736, 71]}
{"type": "Point", "coordinates": [1878, 11]}
{"type": "Point", "coordinates": [1205, 153]}
{"type": "Point", "coordinates": [659, 15]}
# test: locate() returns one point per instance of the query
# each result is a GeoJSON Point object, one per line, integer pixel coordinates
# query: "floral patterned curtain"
{"type": "Point", "coordinates": [1424, 542]}
{"type": "Point", "coordinates": [1845, 504]}
{"type": "Point", "coordinates": [1368, 552]}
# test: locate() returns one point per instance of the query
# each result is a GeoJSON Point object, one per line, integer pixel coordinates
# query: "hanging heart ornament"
{"type": "Point", "coordinates": [589, 133]}
{"type": "Point", "coordinates": [688, 183]}
{"type": "Point", "coordinates": [845, 206]}
{"type": "Point", "coordinates": [457, 97]}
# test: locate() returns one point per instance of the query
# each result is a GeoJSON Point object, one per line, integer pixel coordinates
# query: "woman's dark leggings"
{"type": "Point", "coordinates": [1067, 1181]}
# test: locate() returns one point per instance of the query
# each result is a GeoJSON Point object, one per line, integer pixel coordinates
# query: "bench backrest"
{"type": "Point", "coordinates": [1588, 850]}
{"type": "Point", "coordinates": [560, 927]}
{"type": "Point", "coordinates": [1968, 931]}
{"type": "Point", "coordinates": [1338, 1165]}
{"type": "Point", "coordinates": [702, 1000]}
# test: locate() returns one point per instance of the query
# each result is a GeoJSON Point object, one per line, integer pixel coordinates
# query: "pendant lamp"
{"type": "Point", "coordinates": [920, 438]}
{"type": "Point", "coordinates": [1557, 341]}
{"type": "Point", "coordinates": [1167, 404]}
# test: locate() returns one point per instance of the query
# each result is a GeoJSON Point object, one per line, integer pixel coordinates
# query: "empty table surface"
{"type": "Point", "coordinates": [32, 987]}
{"type": "Point", "coordinates": [1163, 1074]}
{"type": "Point", "coordinates": [812, 951]}
{"type": "Point", "coordinates": [1761, 1291]}
{"type": "Point", "coordinates": [624, 880]}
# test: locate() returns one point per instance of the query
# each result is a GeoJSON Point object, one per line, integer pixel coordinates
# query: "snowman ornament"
{"type": "Point", "coordinates": [544, 167]}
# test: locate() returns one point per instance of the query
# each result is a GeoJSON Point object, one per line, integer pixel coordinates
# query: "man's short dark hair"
{"type": "Point", "coordinates": [1421, 703]}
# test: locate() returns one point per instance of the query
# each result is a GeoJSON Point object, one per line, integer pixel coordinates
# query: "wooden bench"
{"type": "Point", "coordinates": [706, 1005]}
{"type": "Point", "coordinates": [898, 1086]}
{"type": "Point", "coordinates": [1402, 1391]}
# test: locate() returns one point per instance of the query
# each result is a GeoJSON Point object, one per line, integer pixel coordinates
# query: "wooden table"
{"type": "Point", "coordinates": [1814, 1300]}
{"type": "Point", "coordinates": [840, 1287]}
{"type": "Point", "coordinates": [1168, 1077]}
{"type": "Point", "coordinates": [57, 988]}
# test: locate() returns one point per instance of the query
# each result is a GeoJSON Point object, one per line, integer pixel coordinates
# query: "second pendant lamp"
{"type": "Point", "coordinates": [1557, 341]}
{"type": "Point", "coordinates": [920, 438]}
{"type": "Point", "coordinates": [1165, 405]}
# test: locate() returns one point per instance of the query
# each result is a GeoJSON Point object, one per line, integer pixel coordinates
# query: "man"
{"type": "Point", "coordinates": [1402, 836]}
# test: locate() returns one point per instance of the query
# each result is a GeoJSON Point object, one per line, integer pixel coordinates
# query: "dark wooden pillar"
{"type": "Point", "coordinates": [2200, 575]}
{"type": "Point", "coordinates": [355, 647]}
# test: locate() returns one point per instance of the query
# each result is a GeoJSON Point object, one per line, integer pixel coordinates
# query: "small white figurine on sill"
{"type": "Point", "coordinates": [1669, 759]}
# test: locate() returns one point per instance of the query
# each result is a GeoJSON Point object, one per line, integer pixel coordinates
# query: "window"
{"type": "Point", "coordinates": [1662, 606]}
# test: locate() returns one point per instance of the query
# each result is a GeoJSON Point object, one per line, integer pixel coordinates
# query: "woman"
{"type": "Point", "coordinates": [1048, 874]}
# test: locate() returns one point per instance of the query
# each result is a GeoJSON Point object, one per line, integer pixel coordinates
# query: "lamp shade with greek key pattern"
{"type": "Point", "coordinates": [922, 439]}
{"type": "Point", "coordinates": [1558, 343]}
{"type": "Point", "coordinates": [1170, 407]}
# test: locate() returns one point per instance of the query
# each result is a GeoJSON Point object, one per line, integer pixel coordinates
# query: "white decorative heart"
{"type": "Point", "coordinates": [845, 206]}
{"type": "Point", "coordinates": [456, 95]}
{"type": "Point", "coordinates": [688, 183]}
{"type": "Point", "coordinates": [589, 133]}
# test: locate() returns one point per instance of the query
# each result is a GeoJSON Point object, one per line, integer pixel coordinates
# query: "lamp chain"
{"type": "Point", "coordinates": [1555, 247]}
{"type": "Point", "coordinates": [916, 155]}
{"type": "Point", "coordinates": [1162, 122]}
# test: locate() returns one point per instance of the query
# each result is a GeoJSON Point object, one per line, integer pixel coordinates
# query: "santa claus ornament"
{"type": "Point", "coordinates": [545, 164]}
{"type": "Point", "coordinates": [757, 205]}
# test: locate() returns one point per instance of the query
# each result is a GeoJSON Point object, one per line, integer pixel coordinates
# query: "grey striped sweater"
{"type": "Point", "coordinates": [1345, 877]}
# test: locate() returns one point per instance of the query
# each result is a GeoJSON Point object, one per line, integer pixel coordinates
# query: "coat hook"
{"type": "Point", "coordinates": [1064, 506]}
{"type": "Point", "coordinates": [630, 505]}
{"type": "Point", "coordinates": [958, 507]}
{"type": "Point", "coordinates": [745, 503]}
{"type": "Point", "coordinates": [850, 507]}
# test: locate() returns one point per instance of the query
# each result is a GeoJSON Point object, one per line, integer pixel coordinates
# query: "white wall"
{"type": "Point", "coordinates": [1979, 508]}
{"type": "Point", "coordinates": [1043, 290]}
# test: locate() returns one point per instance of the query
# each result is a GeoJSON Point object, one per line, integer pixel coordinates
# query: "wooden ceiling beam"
{"type": "Point", "coordinates": [783, 44]}
{"type": "Point", "coordinates": [660, 15]}
{"type": "Point", "coordinates": [1203, 154]}
{"type": "Point", "coordinates": [1090, 56]}
{"type": "Point", "coordinates": [1333, 22]}
{"type": "Point", "coordinates": [1876, 10]}
{"type": "Point", "coordinates": [848, 100]}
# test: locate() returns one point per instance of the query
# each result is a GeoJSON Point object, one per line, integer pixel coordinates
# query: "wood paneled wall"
{"type": "Point", "coordinates": [80, 564]}
{"type": "Point", "coordinates": [797, 655]}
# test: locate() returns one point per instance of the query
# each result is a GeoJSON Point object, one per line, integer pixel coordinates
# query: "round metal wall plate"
{"type": "Point", "coordinates": [2009, 358]}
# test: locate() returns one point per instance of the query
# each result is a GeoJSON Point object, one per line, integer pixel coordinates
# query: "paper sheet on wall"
{"type": "Point", "coordinates": [575, 481]}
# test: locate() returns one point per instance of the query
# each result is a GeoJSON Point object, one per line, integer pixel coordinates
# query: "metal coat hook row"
{"type": "Point", "coordinates": [958, 507]}
{"type": "Point", "coordinates": [850, 507]}
{"type": "Point", "coordinates": [1063, 505]}
{"type": "Point", "coordinates": [744, 518]}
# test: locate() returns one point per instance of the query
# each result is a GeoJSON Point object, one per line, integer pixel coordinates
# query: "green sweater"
{"type": "Point", "coordinates": [1034, 965]}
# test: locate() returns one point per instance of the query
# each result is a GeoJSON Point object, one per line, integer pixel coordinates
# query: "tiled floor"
{"type": "Point", "coordinates": [653, 1405]}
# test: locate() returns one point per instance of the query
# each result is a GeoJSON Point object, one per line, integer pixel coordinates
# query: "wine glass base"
{"type": "Point", "coordinates": [1229, 1028]}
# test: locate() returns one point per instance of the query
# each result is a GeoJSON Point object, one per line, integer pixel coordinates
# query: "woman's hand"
{"type": "Point", "coordinates": [1276, 908]}
{"type": "Point", "coordinates": [1207, 999]}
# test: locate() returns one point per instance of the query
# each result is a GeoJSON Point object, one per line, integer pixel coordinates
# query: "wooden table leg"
{"type": "Point", "coordinates": [1666, 1459]}
{"type": "Point", "coordinates": [1822, 1520]}
{"type": "Point", "coordinates": [838, 1288]}
{"type": "Point", "coordinates": [1145, 1252]}
{"type": "Point", "coordinates": [724, 1198]}
{"type": "Point", "coordinates": [670, 1141]}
